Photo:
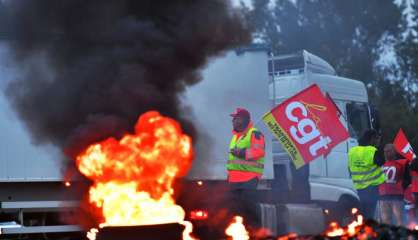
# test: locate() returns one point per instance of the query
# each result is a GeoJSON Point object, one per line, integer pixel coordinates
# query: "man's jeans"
{"type": "Point", "coordinates": [368, 201]}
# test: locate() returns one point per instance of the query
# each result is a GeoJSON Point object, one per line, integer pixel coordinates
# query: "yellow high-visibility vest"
{"type": "Point", "coordinates": [240, 164]}
{"type": "Point", "coordinates": [364, 172]}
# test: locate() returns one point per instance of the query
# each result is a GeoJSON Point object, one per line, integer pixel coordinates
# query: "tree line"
{"type": "Point", "coordinates": [374, 41]}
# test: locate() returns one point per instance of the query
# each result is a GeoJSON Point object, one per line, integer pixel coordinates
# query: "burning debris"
{"type": "Point", "coordinates": [133, 177]}
{"type": "Point", "coordinates": [172, 231]}
{"type": "Point", "coordinates": [369, 230]}
{"type": "Point", "coordinates": [237, 230]}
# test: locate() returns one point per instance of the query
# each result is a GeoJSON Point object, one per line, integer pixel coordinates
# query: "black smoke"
{"type": "Point", "coordinates": [91, 67]}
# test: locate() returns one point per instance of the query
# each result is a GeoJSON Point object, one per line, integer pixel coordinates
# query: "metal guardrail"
{"type": "Point", "coordinates": [39, 204]}
{"type": "Point", "coordinates": [41, 229]}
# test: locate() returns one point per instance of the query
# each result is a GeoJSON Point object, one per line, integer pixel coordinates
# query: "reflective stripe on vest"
{"type": "Point", "coordinates": [240, 164]}
{"type": "Point", "coordinates": [364, 172]}
{"type": "Point", "coordinates": [246, 162]}
{"type": "Point", "coordinates": [368, 179]}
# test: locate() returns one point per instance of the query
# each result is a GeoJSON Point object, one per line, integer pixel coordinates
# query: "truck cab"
{"type": "Point", "coordinates": [329, 182]}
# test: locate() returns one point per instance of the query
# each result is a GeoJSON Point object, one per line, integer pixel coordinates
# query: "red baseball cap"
{"type": "Point", "coordinates": [240, 112]}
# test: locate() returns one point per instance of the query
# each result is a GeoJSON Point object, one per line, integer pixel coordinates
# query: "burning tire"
{"type": "Point", "coordinates": [341, 211]}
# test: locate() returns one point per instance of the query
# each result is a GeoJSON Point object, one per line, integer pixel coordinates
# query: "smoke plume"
{"type": "Point", "coordinates": [91, 67]}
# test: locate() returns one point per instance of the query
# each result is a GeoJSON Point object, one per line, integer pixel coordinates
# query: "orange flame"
{"type": "Point", "coordinates": [237, 230]}
{"type": "Point", "coordinates": [288, 236]}
{"type": "Point", "coordinates": [351, 229]}
{"type": "Point", "coordinates": [92, 233]}
{"type": "Point", "coordinates": [133, 177]}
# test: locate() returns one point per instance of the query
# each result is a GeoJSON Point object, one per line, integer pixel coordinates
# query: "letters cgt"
{"type": "Point", "coordinates": [307, 125]}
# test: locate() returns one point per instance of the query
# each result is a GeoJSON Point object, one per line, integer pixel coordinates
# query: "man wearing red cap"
{"type": "Point", "coordinates": [245, 162]}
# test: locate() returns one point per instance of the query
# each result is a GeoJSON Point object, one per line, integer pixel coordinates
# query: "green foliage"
{"type": "Point", "coordinates": [347, 34]}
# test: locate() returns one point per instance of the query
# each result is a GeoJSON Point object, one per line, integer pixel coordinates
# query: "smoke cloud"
{"type": "Point", "coordinates": [90, 68]}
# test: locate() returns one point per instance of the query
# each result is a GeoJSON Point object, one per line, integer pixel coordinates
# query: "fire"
{"type": "Point", "coordinates": [143, 209]}
{"type": "Point", "coordinates": [288, 236]}
{"type": "Point", "coordinates": [188, 231]}
{"type": "Point", "coordinates": [351, 230]}
{"type": "Point", "coordinates": [92, 233]}
{"type": "Point", "coordinates": [335, 230]}
{"type": "Point", "coordinates": [133, 176]}
{"type": "Point", "coordinates": [237, 230]}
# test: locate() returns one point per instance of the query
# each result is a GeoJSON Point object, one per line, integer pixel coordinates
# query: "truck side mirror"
{"type": "Point", "coordinates": [375, 118]}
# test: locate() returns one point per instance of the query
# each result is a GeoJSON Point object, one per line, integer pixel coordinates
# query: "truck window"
{"type": "Point", "coordinates": [358, 119]}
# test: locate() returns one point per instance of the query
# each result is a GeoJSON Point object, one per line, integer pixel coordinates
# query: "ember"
{"type": "Point", "coordinates": [168, 231]}
{"type": "Point", "coordinates": [360, 230]}
{"type": "Point", "coordinates": [133, 177]}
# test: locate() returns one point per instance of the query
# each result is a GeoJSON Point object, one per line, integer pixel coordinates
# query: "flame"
{"type": "Point", "coordinates": [237, 230]}
{"type": "Point", "coordinates": [188, 231]}
{"type": "Point", "coordinates": [92, 233]}
{"type": "Point", "coordinates": [335, 230]}
{"type": "Point", "coordinates": [133, 176]}
{"type": "Point", "coordinates": [288, 236]}
{"type": "Point", "coordinates": [351, 230]}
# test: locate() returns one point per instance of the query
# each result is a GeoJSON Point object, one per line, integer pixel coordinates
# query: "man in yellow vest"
{"type": "Point", "coordinates": [245, 163]}
{"type": "Point", "coordinates": [364, 162]}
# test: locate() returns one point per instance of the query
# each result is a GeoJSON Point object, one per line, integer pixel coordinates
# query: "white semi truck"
{"type": "Point", "coordinates": [289, 200]}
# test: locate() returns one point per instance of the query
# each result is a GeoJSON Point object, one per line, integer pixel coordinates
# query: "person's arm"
{"type": "Point", "coordinates": [378, 158]}
{"type": "Point", "coordinates": [256, 150]}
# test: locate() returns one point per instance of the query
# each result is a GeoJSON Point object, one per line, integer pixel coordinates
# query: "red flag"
{"type": "Point", "coordinates": [307, 125]}
{"type": "Point", "coordinates": [403, 146]}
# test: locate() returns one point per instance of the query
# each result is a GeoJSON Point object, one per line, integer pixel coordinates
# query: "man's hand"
{"type": "Point", "coordinates": [238, 152]}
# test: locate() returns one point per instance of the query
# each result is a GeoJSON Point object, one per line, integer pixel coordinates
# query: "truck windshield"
{"type": "Point", "coordinates": [358, 118]}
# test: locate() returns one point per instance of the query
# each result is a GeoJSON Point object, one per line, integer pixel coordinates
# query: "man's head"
{"type": "Point", "coordinates": [370, 138]}
{"type": "Point", "coordinates": [240, 119]}
{"type": "Point", "coordinates": [390, 152]}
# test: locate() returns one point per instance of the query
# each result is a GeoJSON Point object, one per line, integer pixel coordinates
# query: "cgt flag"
{"type": "Point", "coordinates": [403, 146]}
{"type": "Point", "coordinates": [307, 125]}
